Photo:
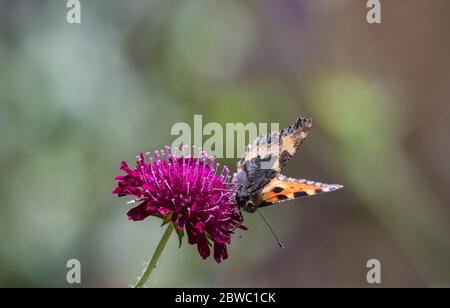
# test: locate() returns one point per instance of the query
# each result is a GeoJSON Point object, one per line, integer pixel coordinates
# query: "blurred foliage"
{"type": "Point", "coordinates": [75, 100]}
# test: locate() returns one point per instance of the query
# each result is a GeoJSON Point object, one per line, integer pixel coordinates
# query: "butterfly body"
{"type": "Point", "coordinates": [259, 179]}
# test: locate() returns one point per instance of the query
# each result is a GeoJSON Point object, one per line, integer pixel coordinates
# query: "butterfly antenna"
{"type": "Point", "coordinates": [271, 230]}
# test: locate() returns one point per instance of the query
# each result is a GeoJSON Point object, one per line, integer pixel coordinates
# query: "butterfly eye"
{"type": "Point", "coordinates": [250, 206]}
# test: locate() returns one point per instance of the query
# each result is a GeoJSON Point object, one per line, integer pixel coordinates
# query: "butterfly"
{"type": "Point", "coordinates": [258, 177]}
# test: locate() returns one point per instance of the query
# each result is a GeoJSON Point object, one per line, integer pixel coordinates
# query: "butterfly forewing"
{"type": "Point", "coordinates": [277, 149]}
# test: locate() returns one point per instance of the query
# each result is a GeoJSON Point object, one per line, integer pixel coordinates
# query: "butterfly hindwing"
{"type": "Point", "coordinates": [277, 149]}
{"type": "Point", "coordinates": [282, 189]}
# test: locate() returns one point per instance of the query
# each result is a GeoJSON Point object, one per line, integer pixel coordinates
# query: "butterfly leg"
{"type": "Point", "coordinates": [242, 219]}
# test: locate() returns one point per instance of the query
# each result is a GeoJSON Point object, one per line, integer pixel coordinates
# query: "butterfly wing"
{"type": "Point", "coordinates": [275, 150]}
{"type": "Point", "coordinates": [281, 189]}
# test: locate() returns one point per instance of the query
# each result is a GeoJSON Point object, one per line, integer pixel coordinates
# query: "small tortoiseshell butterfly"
{"type": "Point", "coordinates": [258, 178]}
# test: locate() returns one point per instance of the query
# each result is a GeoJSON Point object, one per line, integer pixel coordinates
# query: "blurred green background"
{"type": "Point", "coordinates": [75, 100]}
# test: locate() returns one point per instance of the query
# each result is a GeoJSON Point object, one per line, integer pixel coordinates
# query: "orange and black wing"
{"type": "Point", "coordinates": [277, 149]}
{"type": "Point", "coordinates": [282, 189]}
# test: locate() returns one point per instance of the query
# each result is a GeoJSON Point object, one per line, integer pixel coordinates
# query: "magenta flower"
{"type": "Point", "coordinates": [188, 192]}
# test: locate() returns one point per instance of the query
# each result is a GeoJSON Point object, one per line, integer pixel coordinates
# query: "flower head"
{"type": "Point", "coordinates": [188, 191]}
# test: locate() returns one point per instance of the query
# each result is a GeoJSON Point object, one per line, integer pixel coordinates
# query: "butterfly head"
{"type": "Point", "coordinates": [245, 202]}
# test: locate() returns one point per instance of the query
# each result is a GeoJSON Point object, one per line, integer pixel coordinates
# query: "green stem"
{"type": "Point", "coordinates": [152, 264]}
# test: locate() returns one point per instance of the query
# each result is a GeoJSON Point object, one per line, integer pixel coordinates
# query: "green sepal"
{"type": "Point", "coordinates": [209, 238]}
{"type": "Point", "coordinates": [166, 219]}
{"type": "Point", "coordinates": [180, 234]}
